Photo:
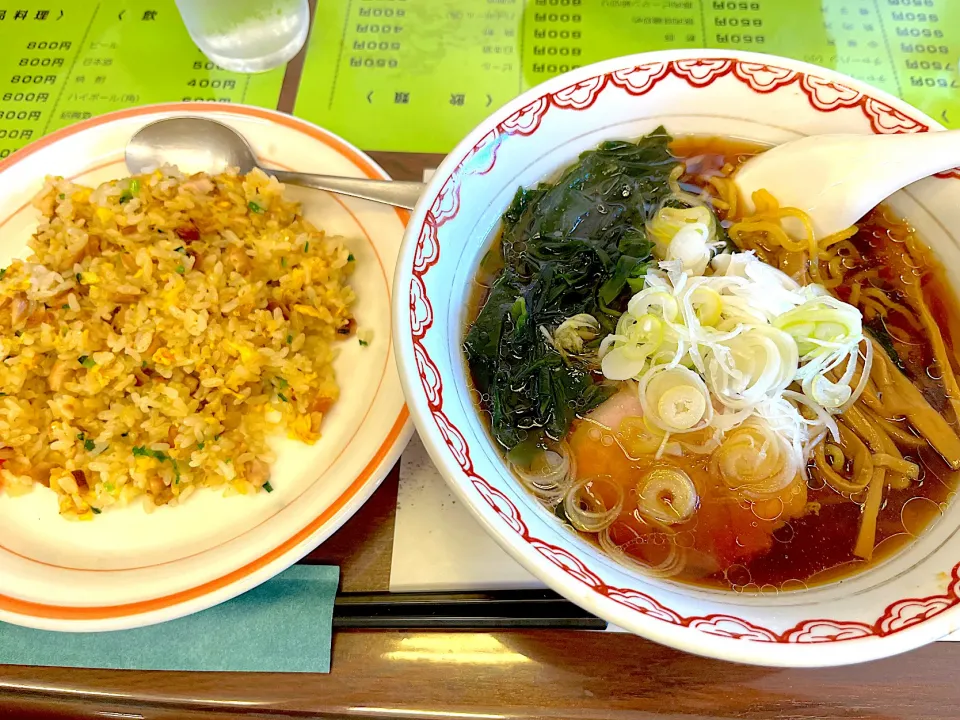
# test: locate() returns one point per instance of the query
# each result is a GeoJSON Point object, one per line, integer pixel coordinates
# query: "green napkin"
{"type": "Point", "coordinates": [284, 625]}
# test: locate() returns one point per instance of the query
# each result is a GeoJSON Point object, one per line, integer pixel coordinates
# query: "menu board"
{"type": "Point", "coordinates": [417, 75]}
{"type": "Point", "coordinates": [68, 60]}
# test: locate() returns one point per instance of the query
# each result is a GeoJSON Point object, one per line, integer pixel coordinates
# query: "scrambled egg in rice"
{"type": "Point", "coordinates": [162, 329]}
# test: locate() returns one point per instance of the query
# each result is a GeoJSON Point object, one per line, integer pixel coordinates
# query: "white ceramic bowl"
{"type": "Point", "coordinates": [904, 602]}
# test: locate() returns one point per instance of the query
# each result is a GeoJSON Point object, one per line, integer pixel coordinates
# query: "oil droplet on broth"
{"type": "Point", "coordinates": [737, 575]}
{"type": "Point", "coordinates": [784, 534]}
{"type": "Point", "coordinates": [917, 514]}
{"type": "Point", "coordinates": [768, 510]}
{"type": "Point", "coordinates": [890, 545]}
{"type": "Point", "coordinates": [792, 585]}
{"type": "Point", "coordinates": [947, 500]}
{"type": "Point", "coordinates": [921, 468]}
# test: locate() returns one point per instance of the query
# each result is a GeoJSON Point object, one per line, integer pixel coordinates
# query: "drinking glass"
{"type": "Point", "coordinates": [247, 36]}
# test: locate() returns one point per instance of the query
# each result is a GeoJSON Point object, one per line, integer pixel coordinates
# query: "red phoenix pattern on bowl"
{"type": "Point", "coordinates": [701, 73]}
{"type": "Point", "coordinates": [763, 78]}
{"type": "Point", "coordinates": [827, 96]}
{"type": "Point", "coordinates": [639, 80]}
{"type": "Point", "coordinates": [886, 121]}
{"type": "Point", "coordinates": [580, 96]}
{"type": "Point", "coordinates": [819, 631]}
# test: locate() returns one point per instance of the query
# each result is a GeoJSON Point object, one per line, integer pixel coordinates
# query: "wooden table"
{"type": "Point", "coordinates": [486, 675]}
{"type": "Point", "coordinates": [490, 675]}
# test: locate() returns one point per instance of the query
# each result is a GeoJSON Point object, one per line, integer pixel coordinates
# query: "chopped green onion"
{"type": "Point", "coordinates": [350, 257]}
{"type": "Point", "coordinates": [282, 397]}
{"type": "Point", "coordinates": [77, 276]}
{"type": "Point", "coordinates": [87, 361]}
{"type": "Point", "coordinates": [62, 196]}
{"type": "Point", "coordinates": [216, 437]}
{"type": "Point", "coordinates": [81, 436]}
{"type": "Point", "coordinates": [363, 343]}
{"type": "Point", "coordinates": [289, 339]}
{"type": "Point", "coordinates": [143, 451]}
{"type": "Point", "coordinates": [2, 273]}
{"type": "Point", "coordinates": [306, 248]}
{"type": "Point", "coordinates": [181, 269]}
{"type": "Point", "coordinates": [200, 445]}
{"type": "Point", "coordinates": [89, 445]}
{"type": "Point", "coordinates": [181, 249]}
{"type": "Point", "coordinates": [95, 511]}
{"type": "Point", "coordinates": [254, 207]}
{"type": "Point", "coordinates": [128, 194]}
{"type": "Point", "coordinates": [268, 487]}
{"type": "Point", "coordinates": [65, 306]}
{"type": "Point", "coordinates": [283, 262]}
{"type": "Point", "coordinates": [283, 383]}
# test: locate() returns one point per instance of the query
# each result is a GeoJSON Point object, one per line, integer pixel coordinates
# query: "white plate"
{"type": "Point", "coordinates": [128, 568]}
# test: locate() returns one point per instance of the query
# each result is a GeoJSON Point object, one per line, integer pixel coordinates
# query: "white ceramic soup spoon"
{"type": "Point", "coordinates": [837, 179]}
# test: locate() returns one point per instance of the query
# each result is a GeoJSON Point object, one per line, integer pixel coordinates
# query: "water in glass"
{"type": "Point", "coordinates": [247, 35]}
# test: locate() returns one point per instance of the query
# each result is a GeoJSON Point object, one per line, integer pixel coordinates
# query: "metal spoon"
{"type": "Point", "coordinates": [837, 179]}
{"type": "Point", "coordinates": [196, 144]}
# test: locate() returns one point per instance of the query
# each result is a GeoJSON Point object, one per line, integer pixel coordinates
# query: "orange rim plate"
{"type": "Point", "coordinates": [129, 568]}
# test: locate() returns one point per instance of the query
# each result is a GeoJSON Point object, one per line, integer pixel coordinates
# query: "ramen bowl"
{"type": "Point", "coordinates": [910, 598]}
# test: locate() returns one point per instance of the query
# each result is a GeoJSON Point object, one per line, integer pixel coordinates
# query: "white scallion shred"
{"type": "Point", "coordinates": [729, 343]}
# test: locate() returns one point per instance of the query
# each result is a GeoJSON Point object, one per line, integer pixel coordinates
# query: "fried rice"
{"type": "Point", "coordinates": [163, 329]}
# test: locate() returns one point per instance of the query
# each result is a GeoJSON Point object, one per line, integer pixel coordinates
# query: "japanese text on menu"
{"type": "Point", "coordinates": [68, 61]}
{"type": "Point", "coordinates": [417, 75]}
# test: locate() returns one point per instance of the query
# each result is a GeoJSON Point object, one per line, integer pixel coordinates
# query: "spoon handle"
{"type": "Point", "coordinates": [389, 192]}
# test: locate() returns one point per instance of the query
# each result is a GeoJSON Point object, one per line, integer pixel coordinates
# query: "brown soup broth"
{"type": "Point", "coordinates": [818, 545]}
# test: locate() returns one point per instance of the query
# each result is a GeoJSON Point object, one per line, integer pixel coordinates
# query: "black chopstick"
{"type": "Point", "coordinates": [461, 611]}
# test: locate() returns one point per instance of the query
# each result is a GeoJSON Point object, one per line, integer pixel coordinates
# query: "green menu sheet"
{"type": "Point", "coordinates": [417, 75]}
{"type": "Point", "coordinates": [66, 60]}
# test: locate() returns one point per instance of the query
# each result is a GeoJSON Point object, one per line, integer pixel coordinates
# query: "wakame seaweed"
{"type": "Point", "coordinates": [882, 336]}
{"type": "Point", "coordinates": [577, 245]}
